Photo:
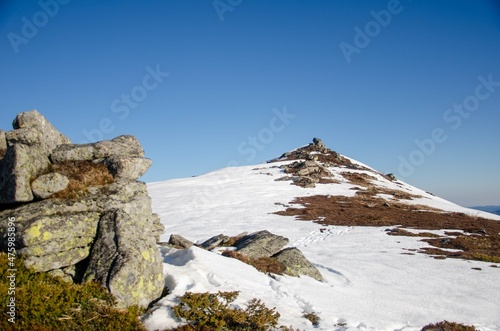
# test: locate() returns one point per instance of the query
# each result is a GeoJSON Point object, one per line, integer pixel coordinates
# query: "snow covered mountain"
{"type": "Point", "coordinates": [393, 256]}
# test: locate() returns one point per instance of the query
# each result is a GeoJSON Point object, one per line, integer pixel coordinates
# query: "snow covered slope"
{"type": "Point", "coordinates": [371, 280]}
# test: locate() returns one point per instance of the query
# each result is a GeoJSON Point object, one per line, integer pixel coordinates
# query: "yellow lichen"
{"type": "Point", "coordinates": [145, 255]}
{"type": "Point", "coordinates": [34, 231]}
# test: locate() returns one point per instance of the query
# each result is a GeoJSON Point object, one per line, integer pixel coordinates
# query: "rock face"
{"type": "Point", "coordinates": [107, 232]}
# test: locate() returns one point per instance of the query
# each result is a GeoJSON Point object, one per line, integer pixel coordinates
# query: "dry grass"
{"type": "Point", "coordinates": [358, 178]}
{"type": "Point", "coordinates": [2, 153]}
{"type": "Point", "coordinates": [448, 326]}
{"type": "Point", "coordinates": [263, 264]}
{"type": "Point", "coordinates": [480, 239]}
{"type": "Point", "coordinates": [81, 175]}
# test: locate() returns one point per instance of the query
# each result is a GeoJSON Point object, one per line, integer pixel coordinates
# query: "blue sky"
{"type": "Point", "coordinates": [409, 87]}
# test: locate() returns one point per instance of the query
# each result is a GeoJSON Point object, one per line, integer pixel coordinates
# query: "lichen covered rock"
{"type": "Point", "coordinates": [296, 263]}
{"type": "Point", "coordinates": [103, 230]}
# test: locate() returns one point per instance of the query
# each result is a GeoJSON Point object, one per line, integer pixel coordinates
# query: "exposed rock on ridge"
{"type": "Point", "coordinates": [106, 232]}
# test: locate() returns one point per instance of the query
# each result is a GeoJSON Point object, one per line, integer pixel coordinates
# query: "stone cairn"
{"type": "Point", "coordinates": [108, 234]}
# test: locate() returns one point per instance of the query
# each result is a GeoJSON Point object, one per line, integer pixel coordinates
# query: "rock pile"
{"type": "Point", "coordinates": [306, 173]}
{"type": "Point", "coordinates": [257, 245]}
{"type": "Point", "coordinates": [105, 232]}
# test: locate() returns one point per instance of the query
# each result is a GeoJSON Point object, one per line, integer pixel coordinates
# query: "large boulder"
{"type": "Point", "coordinates": [296, 263]}
{"type": "Point", "coordinates": [261, 244]}
{"type": "Point", "coordinates": [128, 264]}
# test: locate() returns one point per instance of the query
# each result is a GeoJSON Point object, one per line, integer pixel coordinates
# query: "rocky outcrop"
{"type": "Point", "coordinates": [305, 173]}
{"type": "Point", "coordinates": [257, 246]}
{"type": "Point", "coordinates": [106, 232]}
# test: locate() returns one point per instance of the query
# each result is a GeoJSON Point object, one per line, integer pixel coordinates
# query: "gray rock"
{"type": "Point", "coordinates": [214, 242]}
{"type": "Point", "coordinates": [18, 167]}
{"type": "Point", "coordinates": [119, 146]}
{"type": "Point", "coordinates": [296, 263]}
{"type": "Point", "coordinates": [127, 168]}
{"type": "Point", "coordinates": [46, 185]}
{"type": "Point", "coordinates": [28, 148]}
{"type": "Point", "coordinates": [73, 152]}
{"type": "Point", "coordinates": [125, 261]}
{"type": "Point", "coordinates": [48, 136]}
{"type": "Point", "coordinates": [319, 145]}
{"type": "Point", "coordinates": [25, 136]}
{"type": "Point", "coordinates": [261, 244]}
{"type": "Point", "coordinates": [179, 241]}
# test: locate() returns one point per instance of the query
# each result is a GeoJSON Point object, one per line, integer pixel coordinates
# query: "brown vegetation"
{"type": "Point", "coordinates": [480, 239]}
{"type": "Point", "coordinates": [81, 175]}
{"type": "Point", "coordinates": [448, 326]}
{"type": "Point", "coordinates": [263, 264]}
{"type": "Point", "coordinates": [2, 153]}
{"type": "Point", "coordinates": [214, 311]}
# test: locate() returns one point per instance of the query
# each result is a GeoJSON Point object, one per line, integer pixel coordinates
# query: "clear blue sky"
{"type": "Point", "coordinates": [196, 80]}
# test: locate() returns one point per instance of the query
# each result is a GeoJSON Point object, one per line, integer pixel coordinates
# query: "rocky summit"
{"type": "Point", "coordinates": [80, 211]}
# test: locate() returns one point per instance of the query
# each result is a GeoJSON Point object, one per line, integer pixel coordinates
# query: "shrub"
{"type": "Point", "coordinates": [448, 326]}
{"type": "Point", "coordinates": [81, 175]}
{"type": "Point", "coordinates": [213, 311]}
{"type": "Point", "coordinates": [2, 153]}
{"type": "Point", "coordinates": [47, 303]}
{"type": "Point", "coordinates": [263, 264]}
{"type": "Point", "coordinates": [312, 317]}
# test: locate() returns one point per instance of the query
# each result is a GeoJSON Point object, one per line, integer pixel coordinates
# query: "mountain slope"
{"type": "Point", "coordinates": [490, 209]}
{"type": "Point", "coordinates": [373, 281]}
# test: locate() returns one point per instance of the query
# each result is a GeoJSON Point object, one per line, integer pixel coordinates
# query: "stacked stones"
{"type": "Point", "coordinates": [108, 234]}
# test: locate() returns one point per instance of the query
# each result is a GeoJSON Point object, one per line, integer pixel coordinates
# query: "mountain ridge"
{"type": "Point", "coordinates": [374, 275]}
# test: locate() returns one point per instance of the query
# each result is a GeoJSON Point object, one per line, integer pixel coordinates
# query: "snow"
{"type": "Point", "coordinates": [371, 283]}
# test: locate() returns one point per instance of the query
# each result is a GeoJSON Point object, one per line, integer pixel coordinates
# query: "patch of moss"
{"type": "Point", "coordinates": [43, 302]}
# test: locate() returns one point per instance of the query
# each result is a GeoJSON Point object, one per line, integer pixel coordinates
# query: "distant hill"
{"type": "Point", "coordinates": [489, 209]}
